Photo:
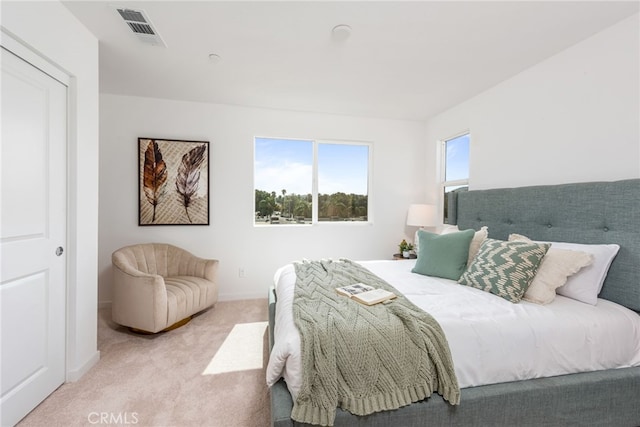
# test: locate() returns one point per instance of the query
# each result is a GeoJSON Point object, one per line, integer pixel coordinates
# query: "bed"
{"type": "Point", "coordinates": [589, 213]}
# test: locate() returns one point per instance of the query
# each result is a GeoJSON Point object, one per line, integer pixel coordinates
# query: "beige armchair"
{"type": "Point", "coordinates": [157, 287]}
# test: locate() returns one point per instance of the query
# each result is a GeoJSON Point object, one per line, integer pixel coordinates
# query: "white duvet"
{"type": "Point", "coordinates": [491, 339]}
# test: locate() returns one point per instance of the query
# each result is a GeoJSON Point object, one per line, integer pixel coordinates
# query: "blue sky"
{"type": "Point", "coordinates": [457, 158]}
{"type": "Point", "coordinates": [287, 164]}
{"type": "Point", "coordinates": [342, 168]}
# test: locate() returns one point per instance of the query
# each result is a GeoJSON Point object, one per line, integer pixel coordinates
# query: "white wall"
{"type": "Point", "coordinates": [573, 117]}
{"type": "Point", "coordinates": [398, 169]}
{"type": "Point", "coordinates": [50, 30]}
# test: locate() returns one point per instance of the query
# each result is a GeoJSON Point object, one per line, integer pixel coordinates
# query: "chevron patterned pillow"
{"type": "Point", "coordinates": [504, 268]}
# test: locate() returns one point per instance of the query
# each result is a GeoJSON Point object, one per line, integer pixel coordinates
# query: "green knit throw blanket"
{"type": "Point", "coordinates": [363, 359]}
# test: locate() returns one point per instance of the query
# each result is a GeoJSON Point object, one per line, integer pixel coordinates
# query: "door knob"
{"type": "Point", "coordinates": [59, 250]}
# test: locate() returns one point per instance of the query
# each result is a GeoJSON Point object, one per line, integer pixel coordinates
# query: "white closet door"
{"type": "Point", "coordinates": [32, 236]}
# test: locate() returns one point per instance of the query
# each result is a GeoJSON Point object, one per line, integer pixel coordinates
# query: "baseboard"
{"type": "Point", "coordinates": [75, 374]}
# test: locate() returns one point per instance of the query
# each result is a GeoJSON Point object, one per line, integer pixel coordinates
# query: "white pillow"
{"type": "Point", "coordinates": [450, 229]}
{"type": "Point", "coordinates": [476, 242]}
{"type": "Point", "coordinates": [554, 270]}
{"type": "Point", "coordinates": [587, 283]}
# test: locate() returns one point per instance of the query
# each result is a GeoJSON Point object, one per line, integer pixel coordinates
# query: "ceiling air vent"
{"type": "Point", "coordinates": [140, 24]}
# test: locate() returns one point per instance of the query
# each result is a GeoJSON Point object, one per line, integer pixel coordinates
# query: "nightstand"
{"type": "Point", "coordinates": [400, 257]}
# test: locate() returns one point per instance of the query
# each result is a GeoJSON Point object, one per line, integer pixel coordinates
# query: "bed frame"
{"type": "Point", "coordinates": [595, 212]}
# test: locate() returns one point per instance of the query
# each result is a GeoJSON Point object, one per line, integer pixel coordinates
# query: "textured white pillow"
{"type": "Point", "coordinates": [476, 242]}
{"type": "Point", "coordinates": [587, 283]}
{"type": "Point", "coordinates": [554, 270]}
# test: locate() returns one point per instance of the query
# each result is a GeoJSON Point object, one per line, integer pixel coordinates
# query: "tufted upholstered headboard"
{"type": "Point", "coordinates": [592, 212]}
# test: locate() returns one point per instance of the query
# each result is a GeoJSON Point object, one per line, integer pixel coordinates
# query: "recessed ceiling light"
{"type": "Point", "coordinates": [341, 32]}
{"type": "Point", "coordinates": [214, 58]}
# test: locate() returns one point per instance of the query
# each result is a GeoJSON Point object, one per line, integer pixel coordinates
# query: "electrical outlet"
{"type": "Point", "coordinates": [241, 272]}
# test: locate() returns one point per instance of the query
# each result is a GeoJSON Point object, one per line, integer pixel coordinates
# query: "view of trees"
{"type": "Point", "coordinates": [287, 168]}
{"type": "Point", "coordinates": [331, 207]}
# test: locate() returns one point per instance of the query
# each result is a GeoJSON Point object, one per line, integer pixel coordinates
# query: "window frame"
{"type": "Point", "coordinates": [315, 180]}
{"type": "Point", "coordinates": [442, 171]}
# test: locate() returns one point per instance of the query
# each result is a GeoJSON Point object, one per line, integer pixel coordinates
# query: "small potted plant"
{"type": "Point", "coordinates": [405, 248]}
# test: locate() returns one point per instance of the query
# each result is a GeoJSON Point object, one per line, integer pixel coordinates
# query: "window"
{"type": "Point", "coordinates": [308, 181]}
{"type": "Point", "coordinates": [455, 169]}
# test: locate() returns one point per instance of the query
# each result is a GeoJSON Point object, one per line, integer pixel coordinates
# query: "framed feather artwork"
{"type": "Point", "coordinates": [173, 187]}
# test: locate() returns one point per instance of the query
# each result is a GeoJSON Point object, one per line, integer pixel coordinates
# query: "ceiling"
{"type": "Point", "coordinates": [405, 60]}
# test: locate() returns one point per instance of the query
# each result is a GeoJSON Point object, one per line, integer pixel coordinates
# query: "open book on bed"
{"type": "Point", "coordinates": [365, 294]}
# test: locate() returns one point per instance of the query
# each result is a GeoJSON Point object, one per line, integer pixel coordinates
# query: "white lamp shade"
{"type": "Point", "coordinates": [421, 215]}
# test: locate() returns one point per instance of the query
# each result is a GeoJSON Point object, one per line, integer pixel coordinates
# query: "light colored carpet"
{"type": "Point", "coordinates": [240, 351]}
{"type": "Point", "coordinates": [186, 377]}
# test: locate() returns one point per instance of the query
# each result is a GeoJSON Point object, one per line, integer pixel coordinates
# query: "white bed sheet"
{"type": "Point", "coordinates": [491, 339]}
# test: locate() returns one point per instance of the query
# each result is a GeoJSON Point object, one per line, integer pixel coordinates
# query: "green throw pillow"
{"type": "Point", "coordinates": [443, 255]}
{"type": "Point", "coordinates": [504, 268]}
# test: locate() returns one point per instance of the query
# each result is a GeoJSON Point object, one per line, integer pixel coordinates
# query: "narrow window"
{"type": "Point", "coordinates": [455, 169]}
{"type": "Point", "coordinates": [307, 181]}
